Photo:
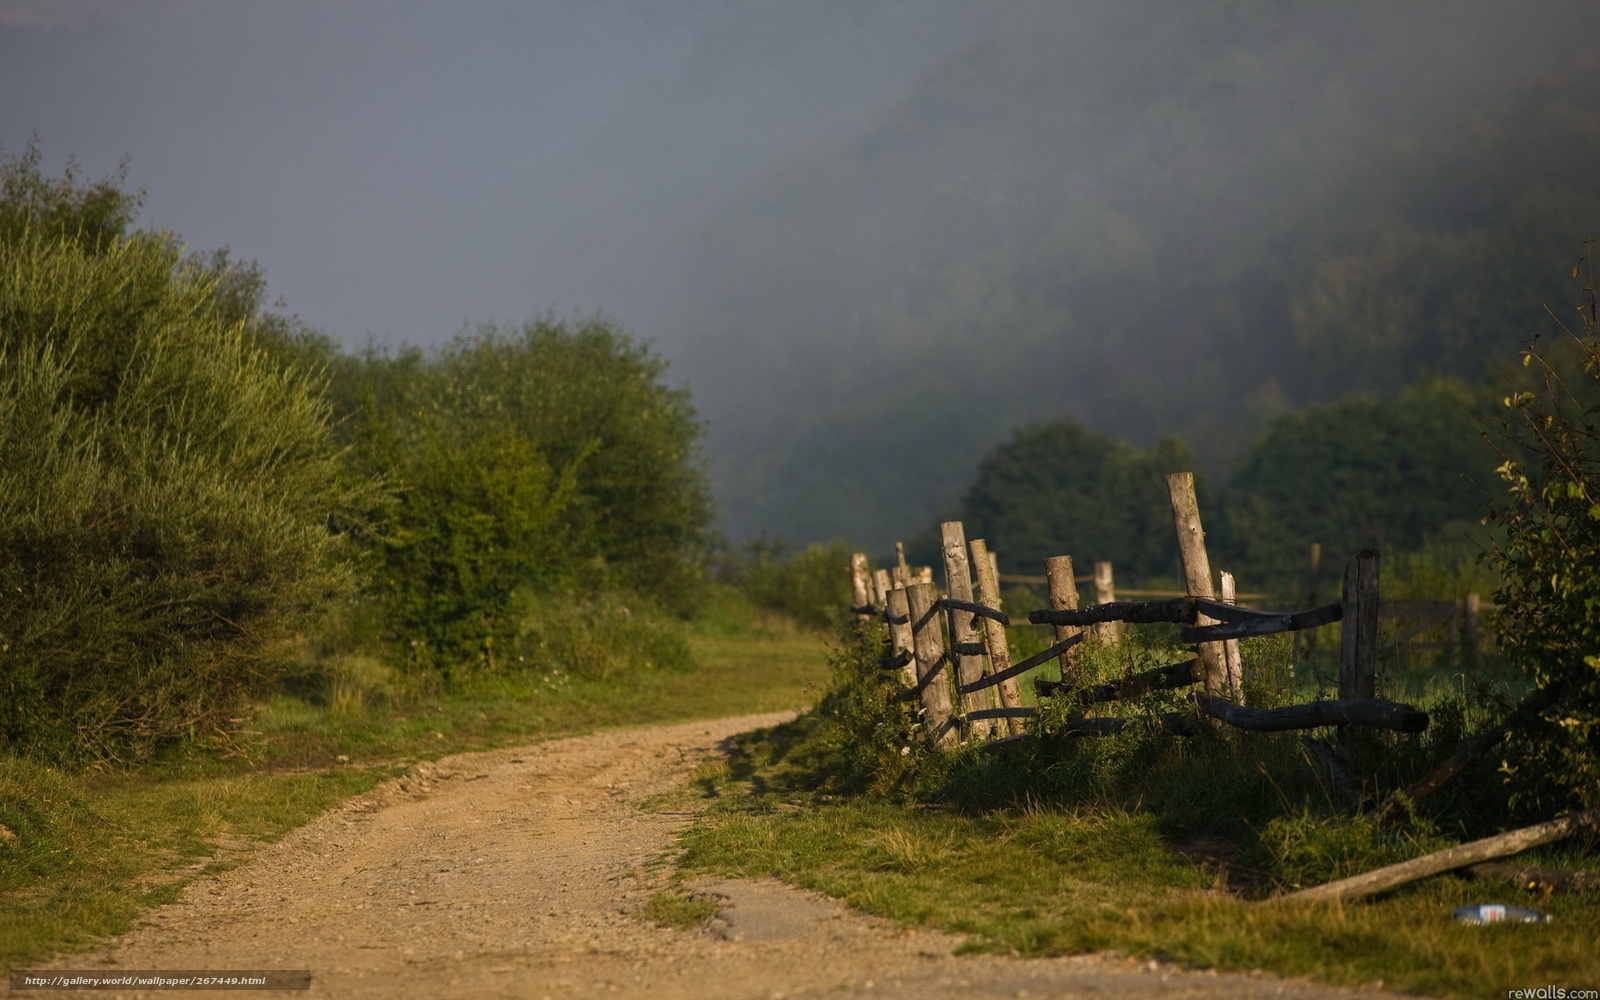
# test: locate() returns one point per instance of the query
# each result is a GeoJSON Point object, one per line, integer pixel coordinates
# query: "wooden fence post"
{"type": "Point", "coordinates": [958, 581]}
{"type": "Point", "coordinates": [1230, 647]}
{"type": "Point", "coordinates": [902, 572]}
{"type": "Point", "coordinates": [1358, 646]}
{"type": "Point", "coordinates": [860, 586]}
{"type": "Point", "coordinates": [1308, 637]}
{"type": "Point", "coordinates": [1105, 592]}
{"type": "Point", "coordinates": [880, 587]}
{"type": "Point", "coordinates": [1063, 588]}
{"type": "Point", "coordinates": [900, 637]}
{"type": "Point", "coordinates": [994, 633]}
{"type": "Point", "coordinates": [1196, 572]}
{"type": "Point", "coordinates": [928, 646]}
{"type": "Point", "coordinates": [924, 574]}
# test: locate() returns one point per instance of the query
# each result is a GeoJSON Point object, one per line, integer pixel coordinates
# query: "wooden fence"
{"type": "Point", "coordinates": [953, 657]}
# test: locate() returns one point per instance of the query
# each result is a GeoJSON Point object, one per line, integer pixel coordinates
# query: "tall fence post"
{"type": "Point", "coordinates": [1105, 592]}
{"type": "Point", "coordinates": [1230, 648]}
{"type": "Point", "coordinates": [928, 647]}
{"type": "Point", "coordinates": [1196, 572]}
{"type": "Point", "coordinates": [861, 586]}
{"type": "Point", "coordinates": [1063, 588]}
{"type": "Point", "coordinates": [1471, 607]}
{"type": "Point", "coordinates": [900, 637]}
{"type": "Point", "coordinates": [1358, 647]}
{"type": "Point", "coordinates": [994, 633]}
{"type": "Point", "coordinates": [902, 572]}
{"type": "Point", "coordinates": [958, 581]}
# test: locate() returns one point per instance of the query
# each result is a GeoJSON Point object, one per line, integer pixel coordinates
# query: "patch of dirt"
{"type": "Point", "coordinates": [524, 873]}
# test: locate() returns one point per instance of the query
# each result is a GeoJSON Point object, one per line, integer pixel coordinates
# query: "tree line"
{"type": "Point", "coordinates": [190, 481]}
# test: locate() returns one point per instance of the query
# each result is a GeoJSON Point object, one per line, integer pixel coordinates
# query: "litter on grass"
{"type": "Point", "coordinates": [1499, 913]}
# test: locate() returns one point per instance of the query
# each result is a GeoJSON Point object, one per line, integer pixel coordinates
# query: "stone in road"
{"type": "Point", "coordinates": [523, 873]}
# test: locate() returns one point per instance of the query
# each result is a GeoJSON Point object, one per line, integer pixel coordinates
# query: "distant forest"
{"type": "Point", "coordinates": [1153, 218]}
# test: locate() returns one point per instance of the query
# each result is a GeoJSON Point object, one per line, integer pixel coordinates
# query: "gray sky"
{"type": "Point", "coordinates": [871, 235]}
{"type": "Point", "coordinates": [401, 168]}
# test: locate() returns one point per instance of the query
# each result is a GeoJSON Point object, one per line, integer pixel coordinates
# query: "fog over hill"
{"type": "Point", "coordinates": [1153, 216]}
{"type": "Point", "coordinates": [872, 235]}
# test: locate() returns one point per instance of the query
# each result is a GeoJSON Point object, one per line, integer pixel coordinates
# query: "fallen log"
{"type": "Point", "coordinates": [1468, 752]}
{"type": "Point", "coordinates": [1374, 713]}
{"type": "Point", "coordinates": [1531, 877]}
{"type": "Point", "coordinates": [1174, 675]}
{"type": "Point", "coordinates": [1460, 856]}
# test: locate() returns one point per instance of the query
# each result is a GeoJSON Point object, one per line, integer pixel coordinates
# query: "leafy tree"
{"type": "Point", "coordinates": [169, 493]}
{"type": "Point", "coordinates": [545, 457]}
{"type": "Point", "coordinates": [1397, 473]}
{"type": "Point", "coordinates": [1549, 619]}
{"type": "Point", "coordinates": [1058, 488]}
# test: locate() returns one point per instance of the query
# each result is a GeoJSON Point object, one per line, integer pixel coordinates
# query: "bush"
{"type": "Point", "coordinates": [169, 494]}
{"type": "Point", "coordinates": [811, 585]}
{"type": "Point", "coordinates": [548, 458]}
{"type": "Point", "coordinates": [1549, 619]}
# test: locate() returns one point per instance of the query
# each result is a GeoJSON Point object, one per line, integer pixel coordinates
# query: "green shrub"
{"type": "Point", "coordinates": [169, 494]}
{"type": "Point", "coordinates": [812, 584]}
{"type": "Point", "coordinates": [599, 637]}
{"type": "Point", "coordinates": [1549, 618]}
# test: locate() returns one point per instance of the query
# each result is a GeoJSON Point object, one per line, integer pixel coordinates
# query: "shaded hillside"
{"type": "Point", "coordinates": [1153, 216]}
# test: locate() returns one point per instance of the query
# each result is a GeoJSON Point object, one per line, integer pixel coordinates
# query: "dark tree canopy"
{"type": "Point", "coordinates": [1058, 488]}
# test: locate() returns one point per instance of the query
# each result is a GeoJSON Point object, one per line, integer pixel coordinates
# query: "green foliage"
{"type": "Point", "coordinates": [600, 637]}
{"type": "Point", "coordinates": [1549, 620]}
{"type": "Point", "coordinates": [811, 584]}
{"type": "Point", "coordinates": [1059, 488]}
{"type": "Point", "coordinates": [169, 493]}
{"type": "Point", "coordinates": [548, 458]}
{"type": "Point", "coordinates": [1398, 473]}
{"type": "Point", "coordinates": [94, 215]}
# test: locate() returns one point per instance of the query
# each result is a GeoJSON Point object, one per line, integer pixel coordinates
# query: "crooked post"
{"type": "Point", "coordinates": [900, 637]}
{"type": "Point", "coordinates": [1197, 572]}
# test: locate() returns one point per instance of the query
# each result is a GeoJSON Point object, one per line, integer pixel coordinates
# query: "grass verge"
{"type": "Point", "coordinates": [1144, 844]}
{"type": "Point", "coordinates": [82, 854]}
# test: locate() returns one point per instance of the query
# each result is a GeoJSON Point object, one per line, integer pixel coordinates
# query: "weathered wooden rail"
{"type": "Point", "coordinates": [953, 656]}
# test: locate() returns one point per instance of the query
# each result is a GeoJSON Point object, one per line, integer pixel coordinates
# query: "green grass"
{"type": "Point", "coordinates": [82, 854]}
{"type": "Point", "coordinates": [1144, 843]}
{"type": "Point", "coordinates": [1060, 880]}
{"type": "Point", "coordinates": [674, 908]}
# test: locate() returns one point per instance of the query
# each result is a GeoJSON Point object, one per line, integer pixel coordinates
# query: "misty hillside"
{"type": "Point", "coordinates": [1153, 216]}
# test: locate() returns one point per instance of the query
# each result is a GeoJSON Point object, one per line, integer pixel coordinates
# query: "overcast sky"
{"type": "Point", "coordinates": [401, 168]}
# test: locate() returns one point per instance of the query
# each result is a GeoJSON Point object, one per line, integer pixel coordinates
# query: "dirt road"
{"type": "Point", "coordinates": [523, 873]}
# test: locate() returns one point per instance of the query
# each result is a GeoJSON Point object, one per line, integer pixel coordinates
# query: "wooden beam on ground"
{"type": "Point", "coordinates": [1460, 856]}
